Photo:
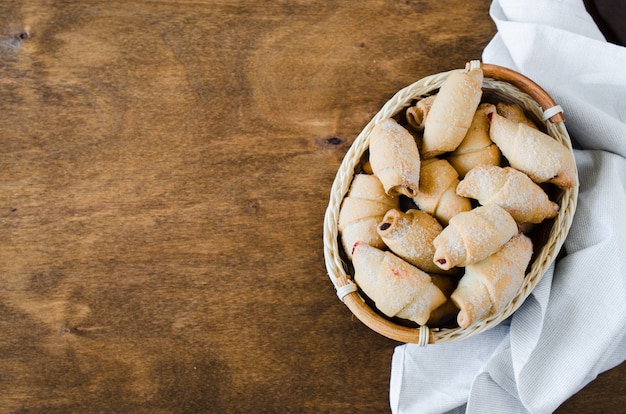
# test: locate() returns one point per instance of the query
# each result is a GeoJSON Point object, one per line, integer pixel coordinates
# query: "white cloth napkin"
{"type": "Point", "coordinates": [573, 325]}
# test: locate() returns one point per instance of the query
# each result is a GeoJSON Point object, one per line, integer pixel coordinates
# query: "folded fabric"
{"type": "Point", "coordinates": [572, 327]}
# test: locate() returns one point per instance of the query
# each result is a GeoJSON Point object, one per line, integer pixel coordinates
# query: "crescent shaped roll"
{"type": "Point", "coordinates": [361, 210]}
{"type": "Point", "coordinates": [531, 151]}
{"type": "Point", "coordinates": [398, 288]}
{"type": "Point", "coordinates": [489, 285]}
{"type": "Point", "coordinates": [410, 236]}
{"type": "Point", "coordinates": [437, 195]}
{"type": "Point", "coordinates": [394, 158]}
{"type": "Point", "coordinates": [452, 112]}
{"type": "Point", "coordinates": [512, 190]}
{"type": "Point", "coordinates": [473, 236]}
{"type": "Point", "coordinates": [476, 147]}
{"type": "Point", "coordinates": [416, 114]}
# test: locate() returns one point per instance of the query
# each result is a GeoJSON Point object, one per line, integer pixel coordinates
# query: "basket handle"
{"type": "Point", "coordinates": [525, 84]}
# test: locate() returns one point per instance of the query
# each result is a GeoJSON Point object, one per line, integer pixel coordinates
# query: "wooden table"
{"type": "Point", "coordinates": [165, 171]}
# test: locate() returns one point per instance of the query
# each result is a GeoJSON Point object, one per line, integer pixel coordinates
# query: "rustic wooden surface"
{"type": "Point", "coordinates": [165, 172]}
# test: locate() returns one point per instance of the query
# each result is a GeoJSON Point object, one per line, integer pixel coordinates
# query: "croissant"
{"type": "Point", "coordinates": [416, 114]}
{"type": "Point", "coordinates": [410, 236]}
{"type": "Point", "coordinates": [452, 111]}
{"type": "Point", "coordinates": [489, 285]}
{"type": "Point", "coordinates": [476, 147]}
{"type": "Point", "coordinates": [394, 158]}
{"type": "Point", "coordinates": [512, 190]}
{"type": "Point", "coordinates": [473, 236]}
{"type": "Point", "coordinates": [398, 288]}
{"type": "Point", "coordinates": [531, 151]}
{"type": "Point", "coordinates": [437, 195]}
{"type": "Point", "coordinates": [362, 209]}
{"type": "Point", "coordinates": [514, 113]}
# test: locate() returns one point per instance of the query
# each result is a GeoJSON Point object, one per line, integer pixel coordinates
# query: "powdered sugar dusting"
{"type": "Point", "coordinates": [411, 238]}
{"type": "Point", "coordinates": [394, 158]}
{"type": "Point", "coordinates": [474, 235]}
{"type": "Point", "coordinates": [395, 285]}
{"type": "Point", "coordinates": [510, 189]}
{"type": "Point", "coordinates": [530, 150]}
{"type": "Point", "coordinates": [496, 279]}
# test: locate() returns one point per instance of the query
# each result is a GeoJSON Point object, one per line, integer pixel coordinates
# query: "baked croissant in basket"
{"type": "Point", "coordinates": [476, 147]}
{"type": "Point", "coordinates": [410, 235]}
{"type": "Point", "coordinates": [398, 288]}
{"type": "Point", "coordinates": [452, 111]}
{"type": "Point", "coordinates": [362, 209]}
{"type": "Point", "coordinates": [394, 158]}
{"type": "Point", "coordinates": [416, 114]}
{"type": "Point", "coordinates": [473, 236]}
{"type": "Point", "coordinates": [437, 195]}
{"type": "Point", "coordinates": [531, 151]}
{"type": "Point", "coordinates": [512, 190]}
{"type": "Point", "coordinates": [489, 285]}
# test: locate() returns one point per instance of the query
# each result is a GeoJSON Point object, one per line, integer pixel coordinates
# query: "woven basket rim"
{"type": "Point", "coordinates": [499, 80]}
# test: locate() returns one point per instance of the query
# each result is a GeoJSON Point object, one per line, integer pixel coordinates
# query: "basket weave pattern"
{"type": "Point", "coordinates": [498, 81]}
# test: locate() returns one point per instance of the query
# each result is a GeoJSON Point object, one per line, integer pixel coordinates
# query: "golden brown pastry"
{"type": "Point", "coordinates": [512, 190]}
{"type": "Point", "coordinates": [531, 151]}
{"type": "Point", "coordinates": [514, 113]}
{"type": "Point", "coordinates": [416, 114]}
{"type": "Point", "coordinates": [394, 158]}
{"type": "Point", "coordinates": [473, 236]}
{"type": "Point", "coordinates": [489, 285]}
{"type": "Point", "coordinates": [476, 147]}
{"type": "Point", "coordinates": [398, 288]}
{"type": "Point", "coordinates": [410, 236]}
{"type": "Point", "coordinates": [362, 209]}
{"type": "Point", "coordinates": [437, 195]}
{"type": "Point", "coordinates": [452, 111]}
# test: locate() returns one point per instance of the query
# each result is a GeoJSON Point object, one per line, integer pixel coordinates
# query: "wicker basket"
{"type": "Point", "coordinates": [499, 82]}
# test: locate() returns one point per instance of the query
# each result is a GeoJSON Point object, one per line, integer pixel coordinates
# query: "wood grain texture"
{"type": "Point", "coordinates": [165, 172]}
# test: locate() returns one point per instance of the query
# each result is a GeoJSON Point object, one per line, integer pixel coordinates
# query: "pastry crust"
{"type": "Point", "coordinates": [416, 114]}
{"type": "Point", "coordinates": [489, 285]}
{"type": "Point", "coordinates": [394, 158]}
{"type": "Point", "coordinates": [398, 288]}
{"type": "Point", "coordinates": [410, 236]}
{"type": "Point", "coordinates": [362, 209]}
{"type": "Point", "coordinates": [512, 190]}
{"type": "Point", "coordinates": [437, 195]}
{"type": "Point", "coordinates": [531, 151]}
{"type": "Point", "coordinates": [514, 113]}
{"type": "Point", "coordinates": [473, 236]}
{"type": "Point", "coordinates": [476, 147]}
{"type": "Point", "coordinates": [452, 111]}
